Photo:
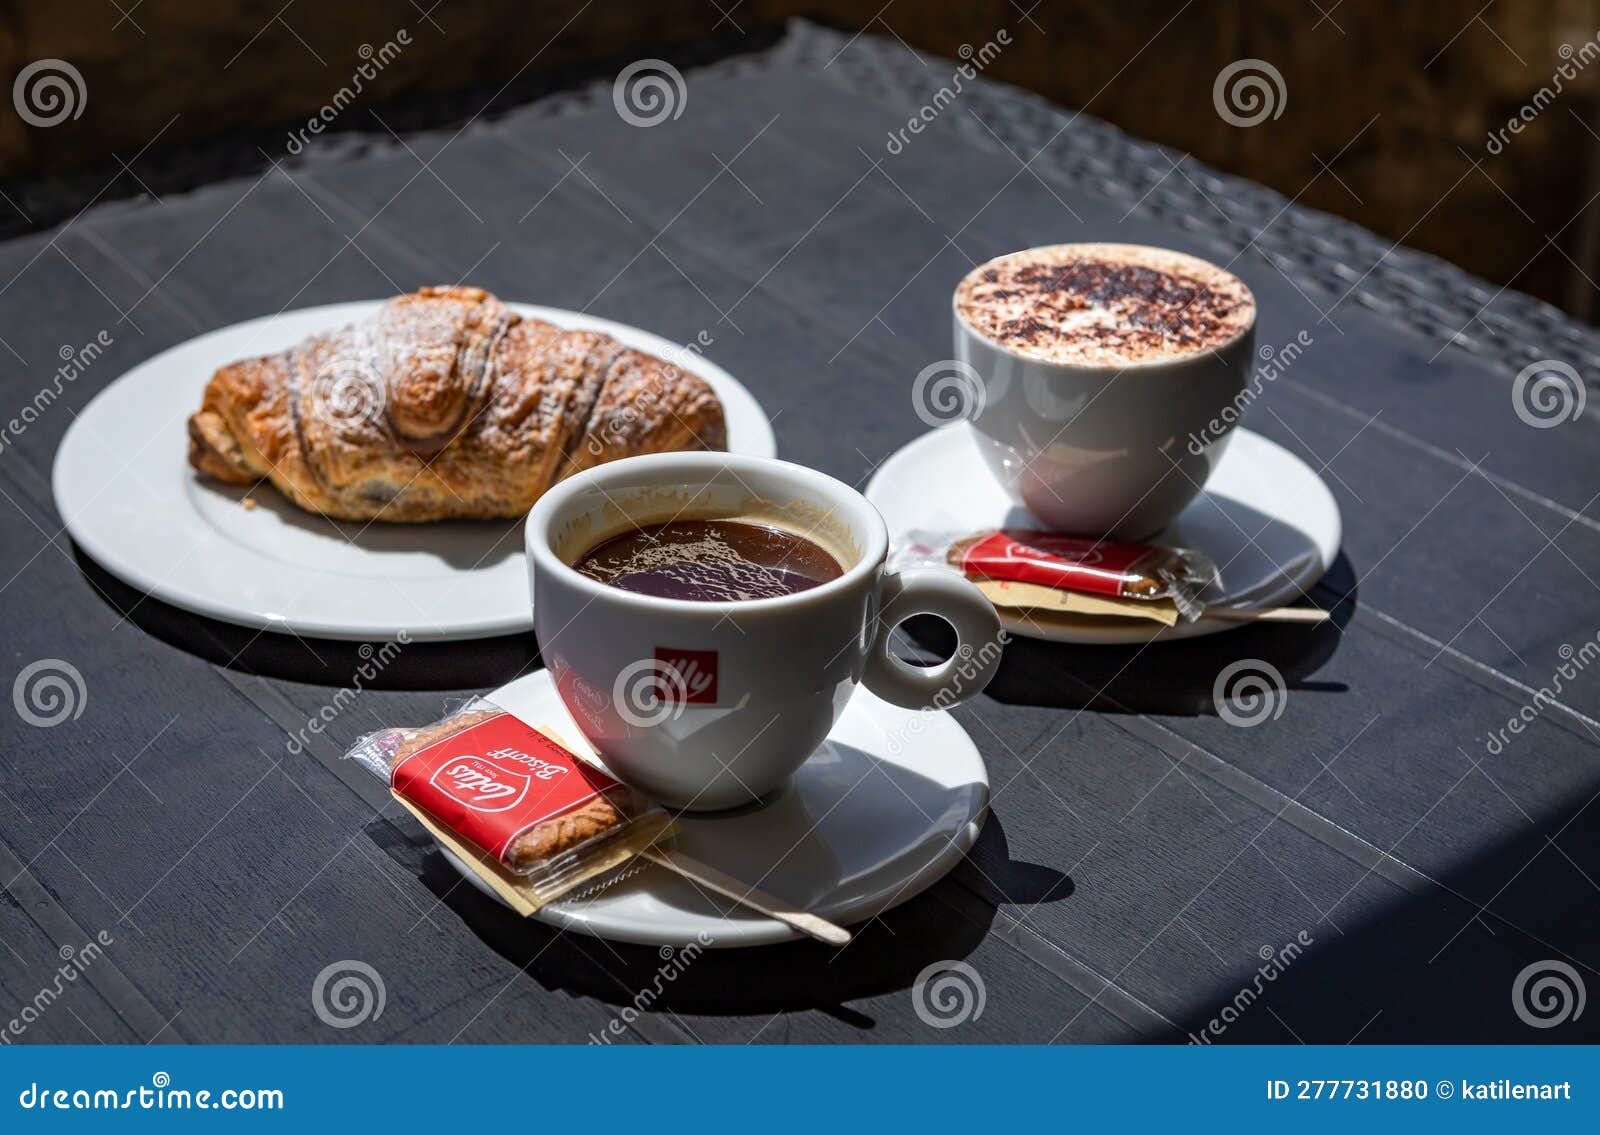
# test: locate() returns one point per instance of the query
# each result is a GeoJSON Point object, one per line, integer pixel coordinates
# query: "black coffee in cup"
{"type": "Point", "coordinates": [714, 561]}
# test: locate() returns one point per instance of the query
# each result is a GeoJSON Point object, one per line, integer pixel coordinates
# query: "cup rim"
{"type": "Point", "coordinates": [536, 533]}
{"type": "Point", "coordinates": [1079, 368]}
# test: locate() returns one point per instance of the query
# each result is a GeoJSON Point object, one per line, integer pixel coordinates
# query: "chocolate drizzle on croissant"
{"type": "Point", "coordinates": [444, 404]}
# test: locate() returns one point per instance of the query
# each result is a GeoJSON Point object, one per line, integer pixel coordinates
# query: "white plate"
{"type": "Point", "coordinates": [887, 806]}
{"type": "Point", "coordinates": [1265, 518]}
{"type": "Point", "coordinates": [124, 487]}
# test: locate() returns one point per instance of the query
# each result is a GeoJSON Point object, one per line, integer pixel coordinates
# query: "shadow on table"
{"type": "Point", "coordinates": [319, 661]}
{"type": "Point", "coordinates": [944, 923]}
{"type": "Point", "coordinates": [1163, 678]}
{"type": "Point", "coordinates": [1432, 967]}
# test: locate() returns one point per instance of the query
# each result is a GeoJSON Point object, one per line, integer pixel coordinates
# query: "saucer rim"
{"type": "Point", "coordinates": [936, 727]}
{"type": "Point", "coordinates": [1328, 542]}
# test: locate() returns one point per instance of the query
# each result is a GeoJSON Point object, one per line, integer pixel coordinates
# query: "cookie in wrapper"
{"type": "Point", "coordinates": [515, 796]}
{"type": "Point", "coordinates": [1113, 569]}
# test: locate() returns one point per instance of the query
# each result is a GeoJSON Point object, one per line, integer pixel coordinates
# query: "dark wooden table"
{"type": "Point", "coordinates": [1142, 854]}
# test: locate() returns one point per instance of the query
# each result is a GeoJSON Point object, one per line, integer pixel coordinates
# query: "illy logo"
{"type": "Point", "coordinates": [697, 669]}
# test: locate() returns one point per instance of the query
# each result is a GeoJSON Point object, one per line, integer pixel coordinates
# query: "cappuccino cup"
{"type": "Point", "coordinates": [706, 705]}
{"type": "Point", "coordinates": [1100, 371]}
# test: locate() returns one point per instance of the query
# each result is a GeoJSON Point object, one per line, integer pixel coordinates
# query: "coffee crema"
{"type": "Point", "coordinates": [711, 561]}
{"type": "Point", "coordinates": [1105, 305]}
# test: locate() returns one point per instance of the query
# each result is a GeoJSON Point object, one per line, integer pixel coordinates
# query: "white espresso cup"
{"type": "Point", "coordinates": [1105, 446]}
{"type": "Point", "coordinates": [710, 705]}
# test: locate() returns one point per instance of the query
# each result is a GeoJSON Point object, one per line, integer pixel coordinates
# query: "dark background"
{"type": "Point", "coordinates": [1387, 117]}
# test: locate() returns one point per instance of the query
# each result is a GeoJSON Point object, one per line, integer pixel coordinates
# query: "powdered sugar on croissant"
{"type": "Point", "coordinates": [444, 404]}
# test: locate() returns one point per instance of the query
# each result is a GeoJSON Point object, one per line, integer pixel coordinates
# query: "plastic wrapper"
{"type": "Point", "coordinates": [1126, 573]}
{"type": "Point", "coordinates": [516, 800]}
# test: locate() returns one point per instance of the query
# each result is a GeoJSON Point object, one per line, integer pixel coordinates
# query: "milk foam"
{"type": "Point", "coordinates": [1105, 305]}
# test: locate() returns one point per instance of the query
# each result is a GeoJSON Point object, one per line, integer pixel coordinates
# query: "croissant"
{"type": "Point", "coordinates": [444, 404]}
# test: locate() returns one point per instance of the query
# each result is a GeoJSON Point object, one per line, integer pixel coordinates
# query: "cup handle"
{"type": "Point", "coordinates": [933, 591]}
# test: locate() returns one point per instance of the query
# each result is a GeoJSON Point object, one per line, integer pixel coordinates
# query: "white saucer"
{"type": "Point", "coordinates": [887, 806]}
{"type": "Point", "coordinates": [1265, 518]}
{"type": "Point", "coordinates": [124, 487]}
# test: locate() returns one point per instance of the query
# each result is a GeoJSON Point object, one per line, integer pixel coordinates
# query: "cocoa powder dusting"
{"type": "Point", "coordinates": [1105, 305]}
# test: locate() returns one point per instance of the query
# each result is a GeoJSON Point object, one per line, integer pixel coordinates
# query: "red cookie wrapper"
{"type": "Point", "coordinates": [1113, 568]}
{"type": "Point", "coordinates": [510, 792]}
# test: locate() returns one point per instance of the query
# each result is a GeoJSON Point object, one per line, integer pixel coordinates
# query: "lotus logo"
{"type": "Point", "coordinates": [1075, 555]}
{"type": "Point", "coordinates": [481, 784]}
{"type": "Point", "coordinates": [592, 697]}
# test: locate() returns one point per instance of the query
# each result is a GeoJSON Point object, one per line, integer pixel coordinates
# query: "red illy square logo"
{"type": "Point", "coordinates": [697, 668]}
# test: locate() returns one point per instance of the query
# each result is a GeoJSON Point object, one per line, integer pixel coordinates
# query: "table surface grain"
{"type": "Point", "coordinates": [1142, 856]}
